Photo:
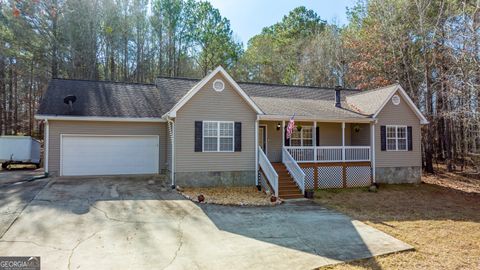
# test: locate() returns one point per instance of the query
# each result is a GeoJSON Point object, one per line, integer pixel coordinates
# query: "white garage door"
{"type": "Point", "coordinates": [109, 155]}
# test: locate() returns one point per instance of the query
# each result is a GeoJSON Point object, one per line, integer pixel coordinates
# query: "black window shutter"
{"type": "Point", "coordinates": [238, 137]}
{"type": "Point", "coordinates": [198, 136]}
{"type": "Point", "coordinates": [409, 135]}
{"type": "Point", "coordinates": [383, 137]}
{"type": "Point", "coordinates": [287, 141]}
{"type": "Point", "coordinates": [317, 136]}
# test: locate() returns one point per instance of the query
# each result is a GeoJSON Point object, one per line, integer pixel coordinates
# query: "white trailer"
{"type": "Point", "coordinates": [19, 150]}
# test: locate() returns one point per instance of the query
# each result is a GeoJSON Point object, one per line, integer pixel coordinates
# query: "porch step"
{"type": "Point", "coordinates": [288, 197]}
{"type": "Point", "coordinates": [287, 188]}
{"type": "Point", "coordinates": [287, 184]}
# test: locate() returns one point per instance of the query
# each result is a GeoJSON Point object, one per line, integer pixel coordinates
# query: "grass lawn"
{"type": "Point", "coordinates": [440, 218]}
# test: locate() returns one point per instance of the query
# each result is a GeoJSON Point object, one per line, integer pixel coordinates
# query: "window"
{"type": "Point", "coordinates": [396, 138]}
{"type": "Point", "coordinates": [218, 136]}
{"type": "Point", "coordinates": [304, 137]}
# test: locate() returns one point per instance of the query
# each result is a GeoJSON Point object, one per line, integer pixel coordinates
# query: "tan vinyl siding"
{"type": "Point", "coordinates": [274, 141]}
{"type": "Point", "coordinates": [362, 137]}
{"type": "Point", "coordinates": [210, 105]}
{"type": "Point", "coordinates": [331, 134]}
{"type": "Point", "coordinates": [400, 114]}
{"type": "Point", "coordinates": [101, 128]}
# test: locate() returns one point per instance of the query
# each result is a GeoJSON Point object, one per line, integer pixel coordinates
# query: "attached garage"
{"type": "Point", "coordinates": [109, 154]}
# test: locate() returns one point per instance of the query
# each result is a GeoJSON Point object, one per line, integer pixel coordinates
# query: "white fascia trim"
{"type": "Point", "coordinates": [410, 103]}
{"type": "Point", "coordinates": [199, 85]}
{"type": "Point", "coordinates": [99, 118]}
{"type": "Point", "coordinates": [309, 118]}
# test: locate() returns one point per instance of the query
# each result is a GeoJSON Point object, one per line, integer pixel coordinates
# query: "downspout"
{"type": "Point", "coordinates": [171, 131]}
{"type": "Point", "coordinates": [46, 144]}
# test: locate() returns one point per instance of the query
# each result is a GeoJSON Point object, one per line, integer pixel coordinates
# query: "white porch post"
{"type": "Point", "coordinates": [343, 141]}
{"type": "Point", "coordinates": [372, 149]}
{"type": "Point", "coordinates": [256, 152]}
{"type": "Point", "coordinates": [314, 143]}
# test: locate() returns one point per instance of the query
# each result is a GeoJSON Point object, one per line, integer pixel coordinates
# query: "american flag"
{"type": "Point", "coordinates": [291, 125]}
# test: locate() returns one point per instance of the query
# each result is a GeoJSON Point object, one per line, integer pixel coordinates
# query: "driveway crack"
{"type": "Point", "coordinates": [105, 214]}
{"type": "Point", "coordinates": [180, 239]}
{"type": "Point", "coordinates": [77, 245]}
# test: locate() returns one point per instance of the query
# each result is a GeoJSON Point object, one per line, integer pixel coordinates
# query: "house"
{"type": "Point", "coordinates": [215, 131]}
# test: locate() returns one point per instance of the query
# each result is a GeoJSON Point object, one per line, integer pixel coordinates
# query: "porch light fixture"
{"type": "Point", "coordinates": [278, 126]}
{"type": "Point", "coordinates": [356, 128]}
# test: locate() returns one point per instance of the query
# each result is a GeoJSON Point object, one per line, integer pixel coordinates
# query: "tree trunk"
{"type": "Point", "coordinates": [2, 95]}
{"type": "Point", "coordinates": [160, 52]}
{"type": "Point", "coordinates": [112, 66]}
{"type": "Point", "coordinates": [429, 105]}
{"type": "Point", "coordinates": [30, 101]}
{"type": "Point", "coordinates": [10, 101]}
{"type": "Point", "coordinates": [15, 100]}
{"type": "Point", "coordinates": [55, 39]}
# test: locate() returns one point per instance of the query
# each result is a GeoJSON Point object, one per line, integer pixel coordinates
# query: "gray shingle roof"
{"type": "Point", "coordinates": [274, 99]}
{"type": "Point", "coordinates": [322, 109]}
{"type": "Point", "coordinates": [102, 99]}
{"type": "Point", "coordinates": [109, 99]}
{"type": "Point", "coordinates": [369, 102]}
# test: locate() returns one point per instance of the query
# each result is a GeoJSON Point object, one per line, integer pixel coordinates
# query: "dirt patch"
{"type": "Point", "coordinates": [440, 218]}
{"type": "Point", "coordinates": [245, 196]}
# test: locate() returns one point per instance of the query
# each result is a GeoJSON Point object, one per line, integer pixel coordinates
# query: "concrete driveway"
{"type": "Point", "coordinates": [15, 175]}
{"type": "Point", "coordinates": [16, 194]}
{"type": "Point", "coordinates": [121, 223]}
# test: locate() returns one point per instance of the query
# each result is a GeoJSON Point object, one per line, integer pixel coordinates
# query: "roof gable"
{"type": "Point", "coordinates": [197, 87]}
{"type": "Point", "coordinates": [372, 102]}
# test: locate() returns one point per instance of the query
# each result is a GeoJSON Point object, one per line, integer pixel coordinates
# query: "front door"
{"type": "Point", "coordinates": [262, 138]}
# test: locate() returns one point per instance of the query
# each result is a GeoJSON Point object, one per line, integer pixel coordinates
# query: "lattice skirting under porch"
{"type": "Point", "coordinates": [337, 175]}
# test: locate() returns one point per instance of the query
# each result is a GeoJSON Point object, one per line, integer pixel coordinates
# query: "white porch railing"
{"type": "Point", "coordinates": [268, 170]}
{"type": "Point", "coordinates": [329, 153]}
{"type": "Point", "coordinates": [357, 153]}
{"type": "Point", "coordinates": [295, 171]}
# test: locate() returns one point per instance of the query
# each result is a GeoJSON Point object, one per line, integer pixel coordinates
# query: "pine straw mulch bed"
{"type": "Point", "coordinates": [243, 196]}
{"type": "Point", "coordinates": [440, 218]}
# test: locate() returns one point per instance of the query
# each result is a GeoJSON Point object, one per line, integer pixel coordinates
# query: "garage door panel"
{"type": "Point", "coordinates": [109, 155]}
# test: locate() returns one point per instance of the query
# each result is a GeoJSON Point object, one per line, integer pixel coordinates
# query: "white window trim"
{"type": "Point", "coordinates": [301, 137]}
{"type": "Point", "coordinates": [396, 138]}
{"type": "Point", "coordinates": [218, 137]}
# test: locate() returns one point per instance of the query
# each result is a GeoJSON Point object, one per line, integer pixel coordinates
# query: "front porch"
{"type": "Point", "coordinates": [318, 154]}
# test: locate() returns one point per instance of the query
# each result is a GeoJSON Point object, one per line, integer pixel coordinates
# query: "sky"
{"type": "Point", "coordinates": [248, 17]}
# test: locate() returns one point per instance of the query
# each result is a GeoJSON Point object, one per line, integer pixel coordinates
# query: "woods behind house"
{"type": "Point", "coordinates": [430, 47]}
